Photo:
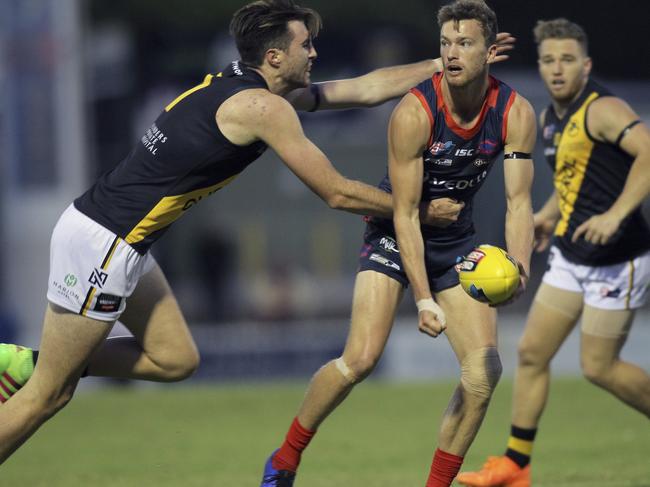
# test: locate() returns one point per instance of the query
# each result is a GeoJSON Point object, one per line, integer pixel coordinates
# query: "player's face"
{"type": "Point", "coordinates": [463, 51]}
{"type": "Point", "coordinates": [300, 56]}
{"type": "Point", "coordinates": [564, 68]}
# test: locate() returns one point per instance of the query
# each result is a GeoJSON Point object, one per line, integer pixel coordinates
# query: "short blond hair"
{"type": "Point", "coordinates": [560, 28]}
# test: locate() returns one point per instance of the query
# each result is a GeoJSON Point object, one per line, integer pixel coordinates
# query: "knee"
{"type": "Point", "coordinates": [595, 371]}
{"type": "Point", "coordinates": [46, 403]}
{"type": "Point", "coordinates": [530, 354]}
{"type": "Point", "coordinates": [179, 365]}
{"type": "Point", "coordinates": [356, 369]}
{"type": "Point", "coordinates": [480, 373]}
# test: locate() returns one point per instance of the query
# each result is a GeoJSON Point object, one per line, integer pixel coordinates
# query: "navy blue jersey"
{"type": "Point", "coordinates": [589, 176]}
{"type": "Point", "coordinates": [457, 160]}
{"type": "Point", "coordinates": [182, 158]}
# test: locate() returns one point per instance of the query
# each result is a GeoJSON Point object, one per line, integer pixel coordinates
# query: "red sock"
{"type": "Point", "coordinates": [288, 456]}
{"type": "Point", "coordinates": [444, 468]}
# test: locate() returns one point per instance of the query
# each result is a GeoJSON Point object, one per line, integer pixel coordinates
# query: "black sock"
{"type": "Point", "coordinates": [520, 445]}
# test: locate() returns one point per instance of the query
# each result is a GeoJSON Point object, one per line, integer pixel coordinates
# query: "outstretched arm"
{"type": "Point", "coordinates": [257, 114]}
{"type": "Point", "coordinates": [377, 86]}
{"type": "Point", "coordinates": [609, 119]}
{"type": "Point", "coordinates": [518, 174]}
{"type": "Point", "coordinates": [408, 133]}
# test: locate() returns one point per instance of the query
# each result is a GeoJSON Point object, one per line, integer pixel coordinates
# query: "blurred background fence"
{"type": "Point", "coordinates": [263, 270]}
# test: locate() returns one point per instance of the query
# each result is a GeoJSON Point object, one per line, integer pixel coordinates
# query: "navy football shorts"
{"type": "Point", "coordinates": [380, 253]}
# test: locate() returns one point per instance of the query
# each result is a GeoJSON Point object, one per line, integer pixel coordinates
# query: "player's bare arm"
{"type": "Point", "coordinates": [260, 115]}
{"type": "Point", "coordinates": [253, 115]}
{"type": "Point", "coordinates": [408, 133]}
{"type": "Point", "coordinates": [518, 173]}
{"type": "Point", "coordinates": [612, 120]}
{"type": "Point", "coordinates": [379, 85]}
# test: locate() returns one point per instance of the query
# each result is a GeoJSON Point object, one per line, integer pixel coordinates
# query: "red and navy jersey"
{"type": "Point", "coordinates": [589, 176]}
{"type": "Point", "coordinates": [182, 158]}
{"type": "Point", "coordinates": [457, 160]}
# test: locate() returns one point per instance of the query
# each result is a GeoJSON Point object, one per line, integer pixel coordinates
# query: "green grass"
{"type": "Point", "coordinates": [384, 435]}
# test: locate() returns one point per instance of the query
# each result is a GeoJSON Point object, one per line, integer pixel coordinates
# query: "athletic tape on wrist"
{"type": "Point", "coordinates": [428, 304]}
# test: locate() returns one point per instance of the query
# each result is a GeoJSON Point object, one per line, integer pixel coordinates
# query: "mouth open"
{"type": "Point", "coordinates": [454, 69]}
{"type": "Point", "coordinates": [557, 83]}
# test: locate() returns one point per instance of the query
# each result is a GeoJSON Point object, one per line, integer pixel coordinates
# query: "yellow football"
{"type": "Point", "coordinates": [489, 274]}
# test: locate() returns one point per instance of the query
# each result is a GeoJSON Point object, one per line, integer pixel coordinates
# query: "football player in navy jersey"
{"type": "Point", "coordinates": [99, 252]}
{"type": "Point", "coordinates": [443, 139]}
{"type": "Point", "coordinates": [599, 262]}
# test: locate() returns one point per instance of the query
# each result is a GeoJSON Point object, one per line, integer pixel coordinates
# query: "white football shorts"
{"type": "Point", "coordinates": [92, 270]}
{"type": "Point", "coordinates": [616, 287]}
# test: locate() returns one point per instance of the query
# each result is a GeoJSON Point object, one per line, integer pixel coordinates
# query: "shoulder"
{"type": "Point", "coordinates": [256, 104]}
{"type": "Point", "coordinates": [521, 107]}
{"type": "Point", "coordinates": [410, 122]}
{"type": "Point", "coordinates": [411, 110]}
{"type": "Point", "coordinates": [608, 106]}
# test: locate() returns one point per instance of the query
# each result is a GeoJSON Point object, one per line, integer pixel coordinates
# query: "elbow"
{"type": "Point", "coordinates": [336, 201]}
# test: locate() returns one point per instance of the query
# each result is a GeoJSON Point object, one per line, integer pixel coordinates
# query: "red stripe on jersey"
{"type": "Point", "coordinates": [2, 399]}
{"type": "Point", "coordinates": [11, 381]}
{"type": "Point", "coordinates": [489, 102]}
{"type": "Point", "coordinates": [506, 111]}
{"type": "Point", "coordinates": [427, 109]}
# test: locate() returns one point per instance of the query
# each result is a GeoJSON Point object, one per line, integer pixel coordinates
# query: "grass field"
{"type": "Point", "coordinates": [384, 435]}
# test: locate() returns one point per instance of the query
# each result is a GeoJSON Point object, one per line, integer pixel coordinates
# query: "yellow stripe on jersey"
{"type": "Point", "coordinates": [206, 82]}
{"type": "Point", "coordinates": [573, 154]}
{"type": "Point", "coordinates": [169, 209]}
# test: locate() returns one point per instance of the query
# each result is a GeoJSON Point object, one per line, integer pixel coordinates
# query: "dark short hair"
{"type": "Point", "coordinates": [560, 29]}
{"type": "Point", "coordinates": [263, 24]}
{"type": "Point", "coordinates": [471, 10]}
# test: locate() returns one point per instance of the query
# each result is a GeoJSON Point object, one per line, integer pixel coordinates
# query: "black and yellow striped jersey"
{"type": "Point", "coordinates": [182, 158]}
{"type": "Point", "coordinates": [589, 176]}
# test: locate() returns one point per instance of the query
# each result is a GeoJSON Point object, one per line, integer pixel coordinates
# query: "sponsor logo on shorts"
{"type": "Point", "coordinates": [481, 162]}
{"type": "Point", "coordinates": [384, 261]}
{"type": "Point", "coordinates": [389, 244]}
{"type": "Point", "coordinates": [70, 280]}
{"type": "Point", "coordinates": [107, 303]}
{"type": "Point", "coordinates": [98, 278]}
{"type": "Point", "coordinates": [65, 291]}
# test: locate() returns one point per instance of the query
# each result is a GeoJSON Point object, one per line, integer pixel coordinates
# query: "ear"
{"type": "Point", "coordinates": [491, 53]}
{"type": "Point", "coordinates": [274, 57]}
{"type": "Point", "coordinates": [587, 66]}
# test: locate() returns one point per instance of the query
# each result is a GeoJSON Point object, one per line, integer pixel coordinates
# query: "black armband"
{"type": "Point", "coordinates": [315, 90]}
{"type": "Point", "coordinates": [625, 131]}
{"type": "Point", "coordinates": [518, 155]}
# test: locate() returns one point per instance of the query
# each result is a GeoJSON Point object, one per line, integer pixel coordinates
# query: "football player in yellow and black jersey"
{"type": "Point", "coordinates": [599, 263]}
{"type": "Point", "coordinates": [99, 254]}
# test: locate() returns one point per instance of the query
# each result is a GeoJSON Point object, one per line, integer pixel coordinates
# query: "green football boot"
{"type": "Point", "coordinates": [16, 367]}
